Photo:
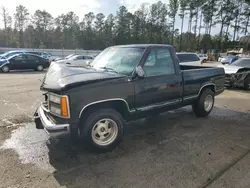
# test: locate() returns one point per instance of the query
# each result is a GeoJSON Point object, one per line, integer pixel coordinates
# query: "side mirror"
{"type": "Point", "coordinates": [139, 71]}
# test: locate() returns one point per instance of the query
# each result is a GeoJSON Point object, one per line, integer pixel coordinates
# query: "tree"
{"type": "Point", "coordinates": [246, 17]}
{"type": "Point", "coordinates": [7, 23]}
{"type": "Point", "coordinates": [99, 27]}
{"type": "Point", "coordinates": [173, 6]}
{"type": "Point", "coordinates": [183, 5]}
{"type": "Point", "coordinates": [43, 21]}
{"type": "Point", "coordinates": [21, 18]}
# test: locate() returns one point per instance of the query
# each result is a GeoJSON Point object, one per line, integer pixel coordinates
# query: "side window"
{"type": "Point", "coordinates": [79, 57]}
{"type": "Point", "coordinates": [193, 57]}
{"type": "Point", "coordinates": [32, 58]}
{"type": "Point", "coordinates": [20, 58]}
{"type": "Point", "coordinates": [159, 62]}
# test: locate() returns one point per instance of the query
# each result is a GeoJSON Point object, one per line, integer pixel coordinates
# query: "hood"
{"type": "Point", "coordinates": [60, 77]}
{"type": "Point", "coordinates": [230, 69]}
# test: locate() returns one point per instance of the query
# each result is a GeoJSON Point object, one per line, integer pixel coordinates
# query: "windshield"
{"type": "Point", "coordinates": [120, 59]}
{"type": "Point", "coordinates": [9, 54]}
{"type": "Point", "coordinates": [241, 63]}
{"type": "Point", "coordinates": [70, 56]}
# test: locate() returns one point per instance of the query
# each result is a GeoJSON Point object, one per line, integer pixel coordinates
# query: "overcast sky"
{"type": "Point", "coordinates": [80, 7]}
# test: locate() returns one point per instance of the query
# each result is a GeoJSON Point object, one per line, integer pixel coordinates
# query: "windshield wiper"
{"type": "Point", "coordinates": [109, 69]}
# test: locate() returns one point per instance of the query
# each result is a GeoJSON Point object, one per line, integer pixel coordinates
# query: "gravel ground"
{"type": "Point", "coordinates": [162, 151]}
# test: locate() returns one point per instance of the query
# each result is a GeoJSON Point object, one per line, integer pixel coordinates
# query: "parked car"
{"type": "Point", "coordinates": [67, 57]}
{"type": "Point", "coordinates": [23, 61]}
{"type": "Point", "coordinates": [203, 57]}
{"type": "Point", "coordinates": [238, 73]}
{"type": "Point", "coordinates": [77, 60]}
{"type": "Point", "coordinates": [123, 83]}
{"type": "Point", "coordinates": [186, 58]}
{"type": "Point", "coordinates": [229, 59]}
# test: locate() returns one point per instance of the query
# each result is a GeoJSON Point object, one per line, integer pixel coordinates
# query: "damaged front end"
{"type": "Point", "coordinates": [236, 79]}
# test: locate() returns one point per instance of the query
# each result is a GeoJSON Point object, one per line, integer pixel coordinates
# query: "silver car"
{"type": "Point", "coordinates": [77, 60]}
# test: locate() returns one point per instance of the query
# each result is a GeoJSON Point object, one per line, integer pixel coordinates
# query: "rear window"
{"type": "Point", "coordinates": [188, 57]}
{"type": "Point", "coordinates": [32, 58]}
{"type": "Point", "coordinates": [36, 53]}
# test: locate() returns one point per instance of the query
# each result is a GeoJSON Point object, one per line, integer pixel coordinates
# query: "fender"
{"type": "Point", "coordinates": [5, 64]}
{"type": "Point", "coordinates": [105, 100]}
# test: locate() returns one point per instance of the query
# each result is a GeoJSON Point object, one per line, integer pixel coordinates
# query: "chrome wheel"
{"type": "Point", "coordinates": [104, 132]}
{"type": "Point", "coordinates": [208, 104]}
{"type": "Point", "coordinates": [5, 69]}
{"type": "Point", "coordinates": [39, 67]}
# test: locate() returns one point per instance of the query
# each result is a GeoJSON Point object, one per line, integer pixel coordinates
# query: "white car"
{"type": "Point", "coordinates": [187, 58]}
{"type": "Point", "coordinates": [77, 60]}
{"type": "Point", "coordinates": [203, 57]}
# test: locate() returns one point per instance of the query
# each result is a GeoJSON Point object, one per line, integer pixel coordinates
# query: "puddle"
{"type": "Point", "coordinates": [30, 145]}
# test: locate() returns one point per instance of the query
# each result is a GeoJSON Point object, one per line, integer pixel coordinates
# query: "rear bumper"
{"type": "Point", "coordinates": [42, 121]}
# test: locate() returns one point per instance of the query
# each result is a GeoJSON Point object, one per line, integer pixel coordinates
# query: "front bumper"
{"type": "Point", "coordinates": [43, 121]}
{"type": "Point", "coordinates": [235, 80]}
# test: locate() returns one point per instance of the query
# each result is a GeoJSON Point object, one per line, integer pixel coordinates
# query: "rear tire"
{"type": "Point", "coordinates": [204, 104]}
{"type": "Point", "coordinates": [39, 68]}
{"type": "Point", "coordinates": [5, 69]}
{"type": "Point", "coordinates": [102, 130]}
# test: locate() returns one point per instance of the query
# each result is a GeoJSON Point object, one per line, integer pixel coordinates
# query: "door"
{"type": "Point", "coordinates": [18, 62]}
{"type": "Point", "coordinates": [32, 61]}
{"type": "Point", "coordinates": [161, 85]}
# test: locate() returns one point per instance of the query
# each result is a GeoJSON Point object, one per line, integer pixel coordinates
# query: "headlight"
{"type": "Point", "coordinates": [56, 110]}
{"type": "Point", "coordinates": [54, 98]}
{"type": "Point", "coordinates": [59, 105]}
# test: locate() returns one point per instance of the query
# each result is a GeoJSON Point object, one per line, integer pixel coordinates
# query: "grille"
{"type": "Point", "coordinates": [45, 103]}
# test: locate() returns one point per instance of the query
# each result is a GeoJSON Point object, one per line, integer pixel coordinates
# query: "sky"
{"type": "Point", "coordinates": [81, 7]}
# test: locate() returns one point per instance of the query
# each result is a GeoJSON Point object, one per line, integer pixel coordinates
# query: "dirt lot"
{"type": "Point", "coordinates": [175, 149]}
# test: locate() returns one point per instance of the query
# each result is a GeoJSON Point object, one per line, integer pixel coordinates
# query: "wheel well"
{"type": "Point", "coordinates": [118, 105]}
{"type": "Point", "coordinates": [212, 87]}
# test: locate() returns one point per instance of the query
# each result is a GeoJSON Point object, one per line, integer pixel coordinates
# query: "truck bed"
{"type": "Point", "coordinates": [196, 76]}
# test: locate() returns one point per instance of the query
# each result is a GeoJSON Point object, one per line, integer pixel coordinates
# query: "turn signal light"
{"type": "Point", "coordinates": [64, 107]}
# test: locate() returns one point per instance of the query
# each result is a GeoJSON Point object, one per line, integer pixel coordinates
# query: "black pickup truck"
{"type": "Point", "coordinates": [122, 83]}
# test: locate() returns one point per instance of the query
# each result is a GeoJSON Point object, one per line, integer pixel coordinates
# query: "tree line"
{"type": "Point", "coordinates": [155, 23]}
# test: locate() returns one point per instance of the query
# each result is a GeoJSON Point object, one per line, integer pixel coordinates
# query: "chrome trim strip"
{"type": "Point", "coordinates": [51, 127]}
{"type": "Point", "coordinates": [159, 105]}
{"type": "Point", "coordinates": [190, 97]}
{"type": "Point", "coordinates": [106, 100]}
{"type": "Point", "coordinates": [209, 84]}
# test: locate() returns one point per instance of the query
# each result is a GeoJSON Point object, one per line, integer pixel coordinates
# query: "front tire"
{"type": "Point", "coordinates": [102, 130]}
{"type": "Point", "coordinates": [204, 104]}
{"type": "Point", "coordinates": [5, 69]}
